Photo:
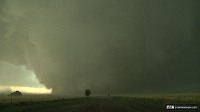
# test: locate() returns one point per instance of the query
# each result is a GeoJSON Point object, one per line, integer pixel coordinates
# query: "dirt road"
{"type": "Point", "coordinates": [101, 105]}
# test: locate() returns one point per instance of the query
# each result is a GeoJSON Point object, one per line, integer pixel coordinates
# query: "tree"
{"type": "Point", "coordinates": [87, 92]}
{"type": "Point", "coordinates": [16, 93]}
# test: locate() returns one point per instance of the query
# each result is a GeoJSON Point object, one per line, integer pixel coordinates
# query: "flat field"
{"type": "Point", "coordinates": [6, 99]}
{"type": "Point", "coordinates": [99, 104]}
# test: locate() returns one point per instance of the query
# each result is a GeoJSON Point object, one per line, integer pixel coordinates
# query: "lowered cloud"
{"type": "Point", "coordinates": [12, 75]}
{"type": "Point", "coordinates": [120, 47]}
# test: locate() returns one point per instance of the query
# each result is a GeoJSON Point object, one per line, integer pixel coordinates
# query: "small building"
{"type": "Point", "coordinates": [16, 93]}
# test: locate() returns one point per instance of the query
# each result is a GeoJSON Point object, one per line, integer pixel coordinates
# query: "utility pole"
{"type": "Point", "coordinates": [11, 99]}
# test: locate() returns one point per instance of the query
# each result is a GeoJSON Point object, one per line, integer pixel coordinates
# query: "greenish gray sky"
{"type": "Point", "coordinates": [108, 46]}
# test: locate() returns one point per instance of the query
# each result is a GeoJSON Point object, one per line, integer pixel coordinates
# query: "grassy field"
{"type": "Point", "coordinates": [97, 104]}
{"type": "Point", "coordinates": [30, 98]}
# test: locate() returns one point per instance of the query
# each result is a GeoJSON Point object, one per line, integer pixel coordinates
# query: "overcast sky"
{"type": "Point", "coordinates": [108, 46]}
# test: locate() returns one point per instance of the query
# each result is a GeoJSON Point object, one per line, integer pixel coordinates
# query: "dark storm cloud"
{"type": "Point", "coordinates": [121, 47]}
{"type": "Point", "coordinates": [16, 50]}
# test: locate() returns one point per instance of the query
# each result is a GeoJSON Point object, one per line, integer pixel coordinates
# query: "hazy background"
{"type": "Point", "coordinates": [108, 46]}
